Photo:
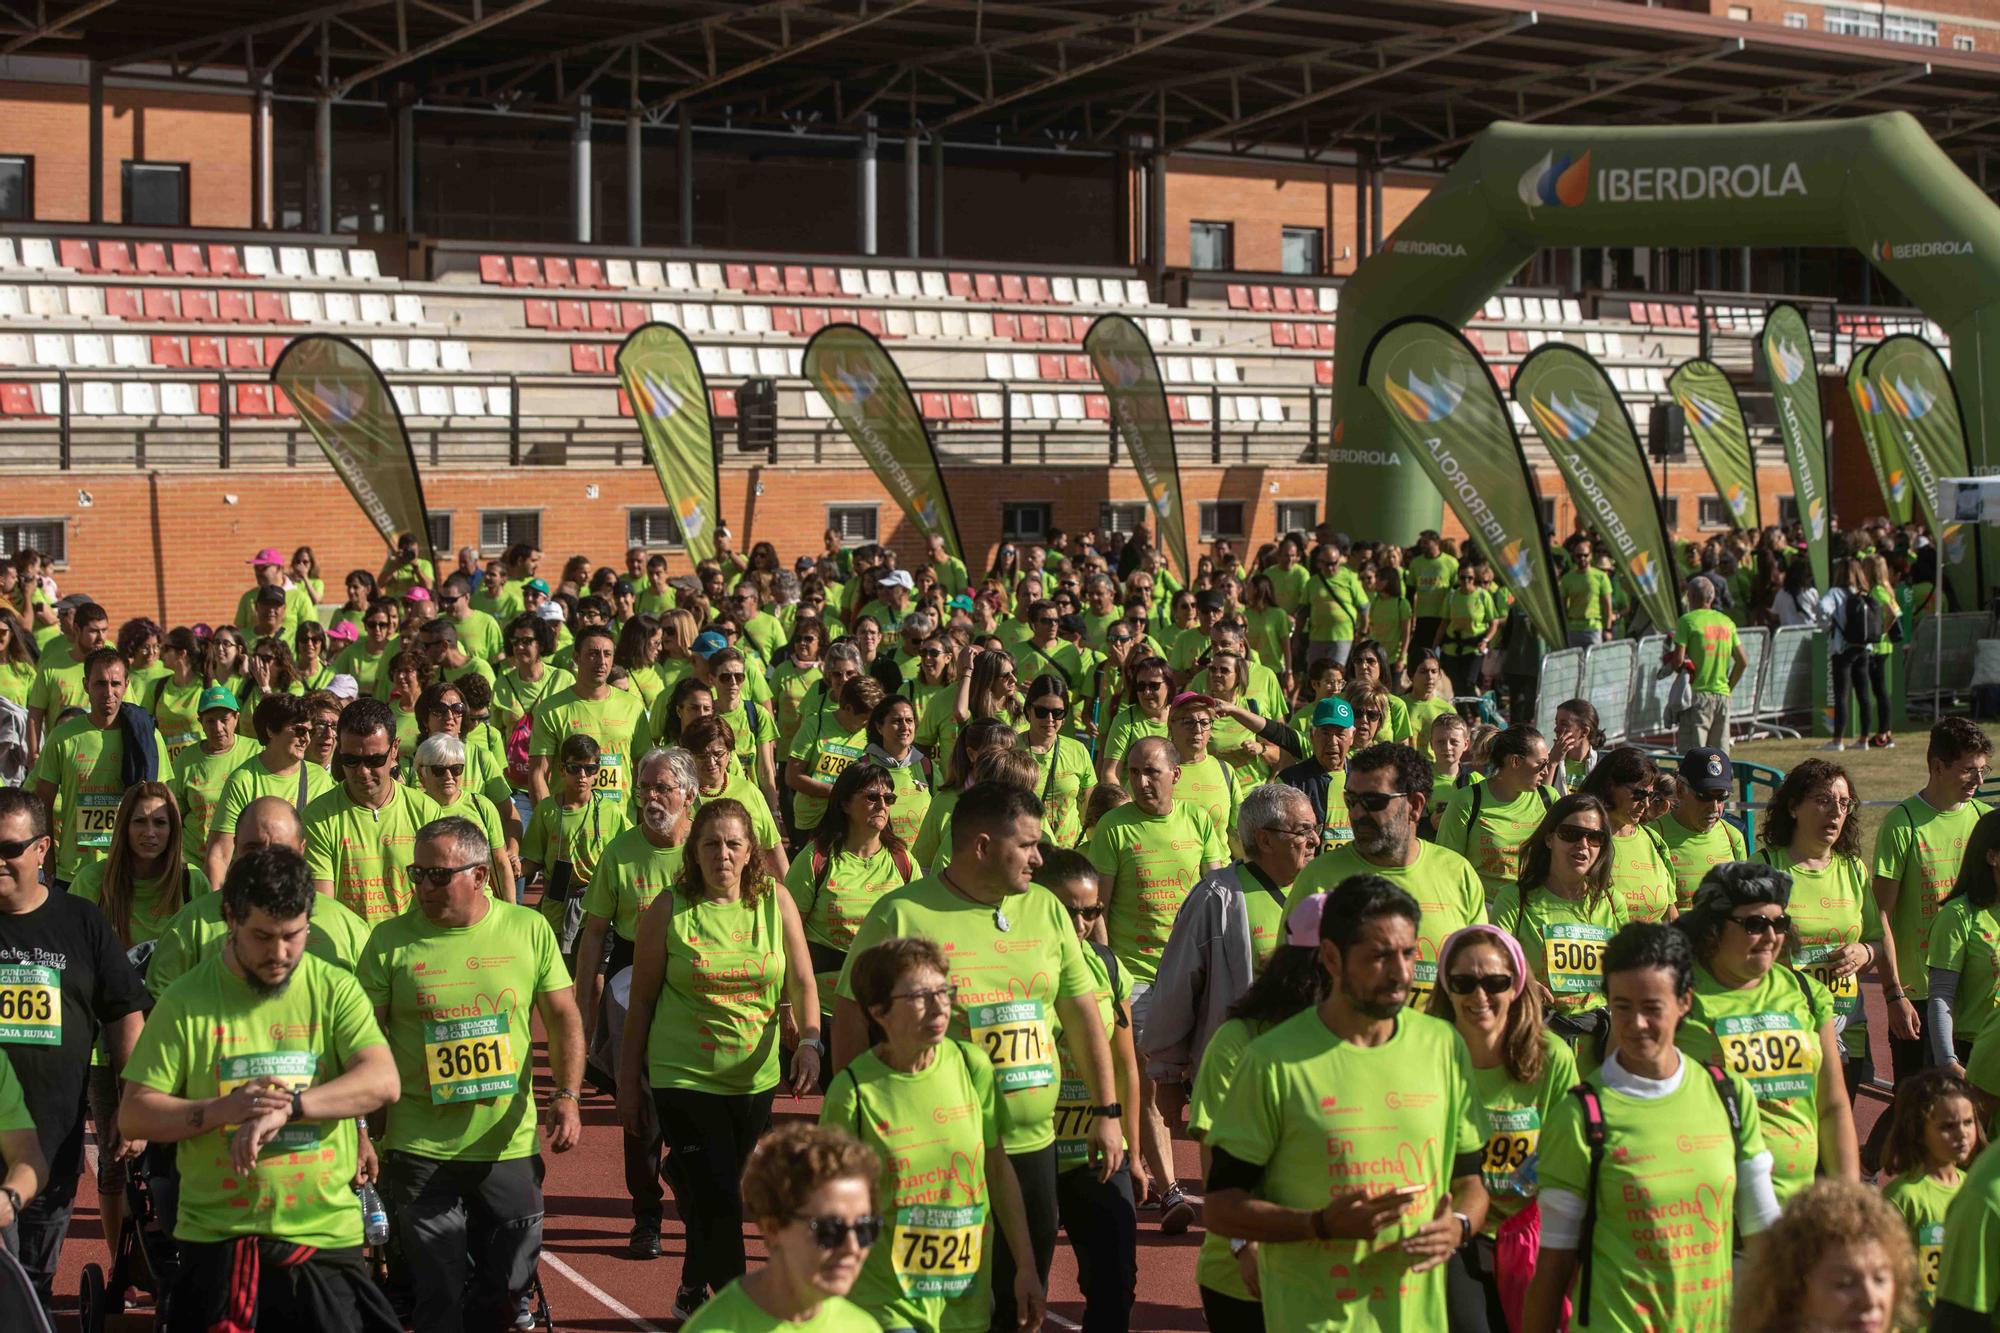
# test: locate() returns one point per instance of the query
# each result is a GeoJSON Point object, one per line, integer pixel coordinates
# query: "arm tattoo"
{"type": "Point", "coordinates": [196, 1116]}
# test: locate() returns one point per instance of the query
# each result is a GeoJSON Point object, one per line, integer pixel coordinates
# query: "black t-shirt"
{"type": "Point", "coordinates": [64, 946]}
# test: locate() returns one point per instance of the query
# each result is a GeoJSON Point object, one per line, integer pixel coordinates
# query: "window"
{"type": "Point", "coordinates": [853, 524]}
{"type": "Point", "coordinates": [440, 528]}
{"type": "Point", "coordinates": [47, 535]}
{"type": "Point", "coordinates": [1911, 29]}
{"type": "Point", "coordinates": [1211, 245]}
{"type": "Point", "coordinates": [1794, 20]}
{"type": "Point", "coordinates": [17, 189]}
{"type": "Point", "coordinates": [1547, 505]}
{"type": "Point", "coordinates": [1221, 520]}
{"type": "Point", "coordinates": [1963, 42]}
{"type": "Point", "coordinates": [1120, 517]}
{"type": "Point", "coordinates": [501, 528]}
{"type": "Point", "coordinates": [1670, 511]}
{"type": "Point", "coordinates": [1302, 250]}
{"type": "Point", "coordinates": [1711, 512]}
{"type": "Point", "coordinates": [1024, 522]}
{"type": "Point", "coordinates": [155, 193]}
{"type": "Point", "coordinates": [1297, 516]}
{"type": "Point", "coordinates": [651, 528]}
{"type": "Point", "coordinates": [1788, 510]}
{"type": "Point", "coordinates": [1853, 22]}
{"type": "Point", "coordinates": [1740, 13]}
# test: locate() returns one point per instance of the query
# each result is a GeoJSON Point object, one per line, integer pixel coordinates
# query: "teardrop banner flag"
{"type": "Point", "coordinates": [669, 395]}
{"type": "Point", "coordinates": [1581, 417]}
{"type": "Point", "coordinates": [1922, 412]}
{"type": "Point", "coordinates": [1446, 409]}
{"type": "Point", "coordinates": [1721, 438]}
{"type": "Point", "coordinates": [1126, 368]}
{"type": "Point", "coordinates": [1788, 351]}
{"type": "Point", "coordinates": [346, 405]}
{"type": "Point", "coordinates": [1886, 454]}
{"type": "Point", "coordinates": [872, 402]}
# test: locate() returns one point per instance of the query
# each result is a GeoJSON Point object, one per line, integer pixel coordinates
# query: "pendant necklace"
{"type": "Point", "coordinates": [1001, 922]}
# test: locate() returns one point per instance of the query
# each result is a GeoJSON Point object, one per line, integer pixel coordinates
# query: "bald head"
{"type": "Point", "coordinates": [269, 821]}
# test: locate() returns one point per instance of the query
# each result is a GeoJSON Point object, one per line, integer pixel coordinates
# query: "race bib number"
{"type": "Point", "coordinates": [1846, 990]}
{"type": "Point", "coordinates": [470, 1059]}
{"type": "Point", "coordinates": [179, 742]}
{"type": "Point", "coordinates": [1423, 980]}
{"type": "Point", "coordinates": [1575, 957]}
{"type": "Point", "coordinates": [1930, 1253]}
{"type": "Point", "coordinates": [832, 761]}
{"type": "Point", "coordinates": [1512, 1150]}
{"type": "Point", "coordinates": [1015, 1037]}
{"type": "Point", "coordinates": [293, 1070]}
{"type": "Point", "coordinates": [1072, 1125]}
{"type": "Point", "coordinates": [1771, 1051]}
{"type": "Point", "coordinates": [96, 814]}
{"type": "Point", "coordinates": [609, 784]}
{"type": "Point", "coordinates": [935, 1250]}
{"type": "Point", "coordinates": [30, 1006]}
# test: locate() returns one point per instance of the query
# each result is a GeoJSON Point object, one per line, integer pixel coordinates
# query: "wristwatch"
{"type": "Point", "coordinates": [1110, 1110]}
{"type": "Point", "coordinates": [1464, 1229]}
{"type": "Point", "coordinates": [13, 1200]}
{"type": "Point", "coordinates": [298, 1105]}
{"type": "Point", "coordinates": [1238, 1245]}
{"type": "Point", "coordinates": [561, 1093]}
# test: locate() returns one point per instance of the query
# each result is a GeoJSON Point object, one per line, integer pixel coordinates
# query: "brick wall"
{"type": "Point", "coordinates": [1976, 19]}
{"type": "Point", "coordinates": [1261, 199]}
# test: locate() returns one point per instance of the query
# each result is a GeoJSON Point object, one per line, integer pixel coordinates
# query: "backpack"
{"type": "Point", "coordinates": [1594, 1138]}
{"type": "Point", "coordinates": [1860, 619]}
{"type": "Point", "coordinates": [822, 865]}
{"type": "Point", "coordinates": [1472, 816]}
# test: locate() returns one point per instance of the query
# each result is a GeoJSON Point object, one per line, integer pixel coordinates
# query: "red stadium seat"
{"type": "Point", "coordinates": [1308, 298]}
{"type": "Point", "coordinates": [812, 319]}
{"type": "Point", "coordinates": [1260, 299]}
{"type": "Point", "coordinates": [1323, 371]}
{"type": "Point", "coordinates": [768, 278]}
{"type": "Point", "coordinates": [115, 257]}
{"type": "Point", "coordinates": [208, 398]}
{"type": "Point", "coordinates": [556, 272]}
{"type": "Point", "coordinates": [1177, 407]}
{"type": "Point", "coordinates": [872, 321]}
{"type": "Point", "coordinates": [1097, 407]}
{"type": "Point", "coordinates": [723, 403]}
{"type": "Point", "coordinates": [1517, 342]}
{"type": "Point", "coordinates": [570, 314]}
{"type": "Point", "coordinates": [1239, 296]}
{"type": "Point", "coordinates": [590, 273]}
{"type": "Point", "coordinates": [826, 282]}
{"type": "Point", "coordinates": [784, 319]}
{"type": "Point", "coordinates": [152, 259]}
{"type": "Point", "coordinates": [162, 303]}
{"type": "Point", "coordinates": [934, 406]}
{"type": "Point", "coordinates": [246, 353]}
{"type": "Point", "coordinates": [252, 400]}
{"type": "Point", "coordinates": [633, 314]}
{"type": "Point", "coordinates": [281, 403]}
{"type": "Point", "coordinates": [1281, 334]}
{"type": "Point", "coordinates": [1077, 367]}
{"type": "Point", "coordinates": [624, 404]}
{"type": "Point", "coordinates": [737, 277]}
{"type": "Point", "coordinates": [959, 285]}
{"type": "Point", "coordinates": [167, 352]}
{"type": "Point", "coordinates": [1304, 335]}
{"type": "Point", "coordinates": [224, 262]}
{"type": "Point", "coordinates": [122, 303]}
{"type": "Point", "coordinates": [1503, 373]}
{"type": "Point", "coordinates": [198, 306]}
{"type": "Point", "coordinates": [1283, 301]}
{"type": "Point", "coordinates": [539, 313]}
{"type": "Point", "coordinates": [1038, 290]}
{"type": "Point", "coordinates": [1034, 329]}
{"type": "Point", "coordinates": [986, 287]}
{"type": "Point", "coordinates": [843, 314]}
{"type": "Point", "coordinates": [1006, 326]}
{"type": "Point", "coordinates": [232, 306]}
{"type": "Point", "coordinates": [1478, 341]}
{"type": "Point", "coordinates": [604, 316]}
{"type": "Point", "coordinates": [527, 270]}
{"type": "Point", "coordinates": [493, 269]}
{"type": "Point", "coordinates": [798, 280]}
{"type": "Point", "coordinates": [270, 307]}
{"type": "Point", "coordinates": [18, 400]}
{"type": "Point", "coordinates": [1051, 365]}
{"type": "Point", "coordinates": [76, 255]}
{"type": "Point", "coordinates": [1655, 313]}
{"type": "Point", "coordinates": [1012, 289]}
{"type": "Point", "coordinates": [1060, 328]}
{"type": "Point", "coordinates": [586, 358]}
{"type": "Point", "coordinates": [1326, 332]}
{"type": "Point", "coordinates": [964, 407]}
{"type": "Point", "coordinates": [274, 347]}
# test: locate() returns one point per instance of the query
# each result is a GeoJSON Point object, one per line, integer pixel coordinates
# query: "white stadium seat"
{"type": "Point", "coordinates": [726, 318]}
{"type": "Point", "coordinates": [327, 262]}
{"type": "Point", "coordinates": [178, 400]}
{"type": "Point", "coordinates": [90, 351]}
{"type": "Point", "coordinates": [935, 286]}
{"type": "Point", "coordinates": [953, 324]}
{"type": "Point", "coordinates": [47, 302]}
{"type": "Point", "coordinates": [997, 367]}
{"type": "Point", "coordinates": [38, 253]}
{"type": "Point", "coordinates": [304, 307]}
{"type": "Point", "coordinates": [880, 283]}
{"type": "Point", "coordinates": [694, 318]}
{"type": "Point", "coordinates": [499, 400]}
{"type": "Point", "coordinates": [421, 354]}
{"type": "Point", "coordinates": [259, 262]}
{"type": "Point", "coordinates": [363, 264]}
{"type": "Point", "coordinates": [406, 399]}
{"type": "Point", "coordinates": [853, 282]}
{"type": "Point", "coordinates": [709, 276]}
{"type": "Point", "coordinates": [756, 319]}
{"type": "Point", "coordinates": [376, 308]}
{"type": "Point", "coordinates": [96, 398]}
{"type": "Point", "coordinates": [138, 398]}
{"type": "Point", "coordinates": [1088, 292]}
{"type": "Point", "coordinates": [340, 308]}
{"type": "Point", "coordinates": [1063, 290]}
{"type": "Point", "coordinates": [1024, 365]}
{"type": "Point", "coordinates": [742, 360]}
{"type": "Point", "coordinates": [454, 354]}
{"type": "Point", "coordinates": [908, 284]}
{"type": "Point", "coordinates": [15, 350]}
{"type": "Point", "coordinates": [467, 400]}
{"type": "Point", "coordinates": [387, 353]}
{"type": "Point", "coordinates": [12, 301]}
{"type": "Point", "coordinates": [130, 350]}
{"type": "Point", "coordinates": [294, 261]}
{"type": "Point", "coordinates": [771, 361]}
{"type": "Point", "coordinates": [711, 360]}
{"type": "Point", "coordinates": [85, 302]}
{"type": "Point", "coordinates": [52, 351]}
{"type": "Point", "coordinates": [409, 308]}
{"type": "Point", "coordinates": [433, 400]}
{"type": "Point", "coordinates": [618, 272]}
{"type": "Point", "coordinates": [666, 312]}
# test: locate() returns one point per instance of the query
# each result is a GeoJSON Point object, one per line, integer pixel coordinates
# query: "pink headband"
{"type": "Point", "coordinates": [1510, 945]}
{"type": "Point", "coordinates": [1302, 926]}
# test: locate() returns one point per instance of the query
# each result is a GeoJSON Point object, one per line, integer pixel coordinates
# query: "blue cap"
{"type": "Point", "coordinates": [1333, 712]}
{"type": "Point", "coordinates": [707, 644]}
{"type": "Point", "coordinates": [217, 696]}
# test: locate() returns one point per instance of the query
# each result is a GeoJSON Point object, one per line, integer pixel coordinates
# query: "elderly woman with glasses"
{"type": "Point", "coordinates": [1766, 1022]}
{"type": "Point", "coordinates": [1642, 871]}
{"type": "Point", "coordinates": [927, 1103]}
{"type": "Point", "coordinates": [439, 767]}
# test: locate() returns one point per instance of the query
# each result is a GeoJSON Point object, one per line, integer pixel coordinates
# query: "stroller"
{"type": "Point", "coordinates": [142, 1255]}
{"type": "Point", "coordinates": [20, 1308]}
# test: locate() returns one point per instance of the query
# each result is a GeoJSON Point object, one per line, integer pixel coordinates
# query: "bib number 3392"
{"type": "Point", "coordinates": [470, 1059]}
{"type": "Point", "coordinates": [1015, 1037]}
{"type": "Point", "coordinates": [935, 1250]}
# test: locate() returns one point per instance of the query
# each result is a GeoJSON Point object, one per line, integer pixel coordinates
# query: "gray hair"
{"type": "Point", "coordinates": [440, 747]}
{"type": "Point", "coordinates": [919, 622]}
{"type": "Point", "coordinates": [466, 837]}
{"type": "Point", "coordinates": [1700, 592]}
{"type": "Point", "coordinates": [842, 652]}
{"type": "Point", "coordinates": [785, 585]}
{"type": "Point", "coordinates": [1096, 581]}
{"type": "Point", "coordinates": [678, 763]}
{"type": "Point", "coordinates": [1265, 807]}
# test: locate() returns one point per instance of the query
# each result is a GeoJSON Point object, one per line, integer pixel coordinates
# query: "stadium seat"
{"type": "Point", "coordinates": [138, 398]}
{"type": "Point", "coordinates": [590, 274]}
{"type": "Point", "coordinates": [631, 315]}
{"type": "Point", "coordinates": [245, 353]}
{"type": "Point", "coordinates": [709, 276]}
{"type": "Point", "coordinates": [208, 398]}
{"type": "Point", "coordinates": [12, 302]}
{"type": "Point", "coordinates": [129, 351]}
{"type": "Point", "coordinates": [934, 286]}
{"type": "Point", "coordinates": [1281, 335]}
{"type": "Point", "coordinates": [224, 262]}
{"type": "Point", "coordinates": [825, 281]}
{"type": "Point", "coordinates": [1050, 366]}
{"type": "Point", "coordinates": [934, 406]}
{"type": "Point", "coordinates": [879, 283]}
{"type": "Point", "coordinates": [112, 257]}
{"type": "Point", "coordinates": [38, 253]}
{"type": "Point", "coordinates": [162, 303]}
{"type": "Point", "coordinates": [603, 316]}
{"type": "Point", "coordinates": [90, 352]}
{"type": "Point", "coordinates": [998, 366]}
{"type": "Point", "coordinates": [1177, 407]}
{"type": "Point", "coordinates": [1023, 365]}
{"type": "Point", "coordinates": [177, 400]}
{"type": "Point", "coordinates": [96, 398]}
{"type": "Point", "coordinates": [622, 273]}
{"type": "Point", "coordinates": [1096, 407]}
{"type": "Point", "coordinates": [695, 318]}
{"type": "Point", "coordinates": [205, 351]}
{"type": "Point", "coordinates": [329, 263]}
{"type": "Point", "coordinates": [1136, 292]}
{"type": "Point", "coordinates": [571, 314]}
{"type": "Point", "coordinates": [722, 403]}
{"type": "Point", "coordinates": [232, 306]}
{"type": "Point", "coordinates": [785, 319]}
{"type": "Point", "coordinates": [906, 285]}
{"type": "Point", "coordinates": [737, 277]}
{"type": "Point", "coordinates": [812, 319]}
{"type": "Point", "coordinates": [122, 303]}
{"type": "Point", "coordinates": [499, 401]}
{"type": "Point", "coordinates": [1260, 299]}
{"type": "Point", "coordinates": [1062, 290]}
{"type": "Point", "coordinates": [269, 307]}
{"type": "Point", "coordinates": [1203, 409]}
{"type": "Point", "coordinates": [363, 264]}
{"type": "Point", "coordinates": [767, 278]}
{"type": "Point", "coordinates": [18, 400]}
{"type": "Point", "coordinates": [756, 318]}
{"type": "Point", "coordinates": [928, 325]}
{"type": "Point", "coordinates": [954, 324]}
{"type": "Point", "coordinates": [1201, 370]}
{"type": "Point", "coordinates": [406, 399]}
{"type": "Point", "coordinates": [1062, 328]}
{"type": "Point", "coordinates": [386, 353]}
{"type": "Point", "coordinates": [871, 320]}
{"type": "Point", "coordinates": [959, 284]}
{"type": "Point", "coordinates": [725, 318]}
{"type": "Point", "coordinates": [963, 406]}
{"type": "Point", "coordinates": [1089, 292]}
{"type": "Point", "coordinates": [982, 326]}
{"type": "Point", "coordinates": [375, 308]}
{"type": "Point", "coordinates": [1013, 289]}
{"type": "Point", "coordinates": [84, 302]}
{"type": "Point", "coordinates": [47, 301]}
{"type": "Point", "coordinates": [77, 255]}
{"type": "Point", "coordinates": [771, 361]}
{"type": "Point", "coordinates": [409, 308]}
{"type": "Point", "coordinates": [1517, 342]}
{"type": "Point", "coordinates": [1226, 371]}
{"type": "Point", "coordinates": [421, 354]}
{"type": "Point", "coordinates": [455, 354]}
{"type": "Point", "coordinates": [9, 256]}
{"type": "Point", "coordinates": [1042, 406]}
{"type": "Point", "coordinates": [740, 360]}
{"type": "Point", "coordinates": [304, 307]}
{"type": "Point", "coordinates": [1323, 371]}
{"type": "Point", "coordinates": [198, 305]}
{"type": "Point", "coordinates": [557, 273]}
{"type": "Point", "coordinates": [1284, 301]}
{"type": "Point", "coordinates": [467, 400]}
{"type": "Point", "coordinates": [433, 400]}
{"type": "Point", "coordinates": [294, 261]}
{"type": "Point", "coordinates": [1175, 370]}
{"type": "Point", "coordinates": [986, 286]}
{"type": "Point", "coordinates": [1004, 326]}
{"type": "Point", "coordinates": [652, 273]}
{"type": "Point", "coordinates": [989, 405]}
{"type": "Point", "coordinates": [527, 270]}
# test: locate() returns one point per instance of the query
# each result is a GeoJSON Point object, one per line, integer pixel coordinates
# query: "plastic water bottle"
{"type": "Point", "coordinates": [374, 1218]}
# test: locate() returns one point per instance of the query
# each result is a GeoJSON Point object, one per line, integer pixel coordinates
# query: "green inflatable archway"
{"type": "Point", "coordinates": [1878, 183]}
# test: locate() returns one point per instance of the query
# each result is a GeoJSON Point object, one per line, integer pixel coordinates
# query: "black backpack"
{"type": "Point", "coordinates": [1860, 619]}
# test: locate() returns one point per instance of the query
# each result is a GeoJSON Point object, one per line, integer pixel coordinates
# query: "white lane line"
{"type": "Point", "coordinates": [603, 1297]}
{"type": "Point", "coordinates": [1059, 1321]}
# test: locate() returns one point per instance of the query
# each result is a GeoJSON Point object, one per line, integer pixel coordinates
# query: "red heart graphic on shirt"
{"type": "Point", "coordinates": [1709, 1200]}
{"type": "Point", "coordinates": [1035, 986]}
{"type": "Point", "coordinates": [1413, 1164]}
{"type": "Point", "coordinates": [963, 1176]}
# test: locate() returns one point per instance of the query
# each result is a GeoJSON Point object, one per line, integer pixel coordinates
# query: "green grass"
{"type": "Point", "coordinates": [1879, 775]}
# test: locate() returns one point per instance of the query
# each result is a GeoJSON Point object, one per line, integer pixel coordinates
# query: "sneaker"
{"type": "Point", "coordinates": [1176, 1211]}
{"type": "Point", "coordinates": [686, 1301]}
{"type": "Point", "coordinates": [1888, 741]}
{"type": "Point", "coordinates": [524, 1312]}
{"type": "Point", "coordinates": [1834, 745]}
{"type": "Point", "coordinates": [644, 1242]}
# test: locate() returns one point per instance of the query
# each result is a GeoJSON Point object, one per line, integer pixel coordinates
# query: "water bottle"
{"type": "Point", "coordinates": [374, 1218]}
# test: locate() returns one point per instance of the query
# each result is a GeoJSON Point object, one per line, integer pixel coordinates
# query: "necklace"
{"type": "Point", "coordinates": [1001, 922]}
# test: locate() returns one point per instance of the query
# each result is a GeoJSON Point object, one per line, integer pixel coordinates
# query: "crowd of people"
{"type": "Point", "coordinates": [1027, 875]}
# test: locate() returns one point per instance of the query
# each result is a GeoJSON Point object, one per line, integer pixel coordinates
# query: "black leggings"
{"type": "Point", "coordinates": [1103, 1227]}
{"type": "Point", "coordinates": [1472, 1290]}
{"type": "Point", "coordinates": [1878, 681]}
{"type": "Point", "coordinates": [1850, 671]}
{"type": "Point", "coordinates": [1228, 1314]}
{"type": "Point", "coordinates": [710, 1136]}
{"type": "Point", "coordinates": [1037, 1173]}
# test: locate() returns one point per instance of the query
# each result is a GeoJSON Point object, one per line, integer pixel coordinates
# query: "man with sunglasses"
{"type": "Point", "coordinates": [83, 766]}
{"type": "Point", "coordinates": [281, 769]}
{"type": "Point", "coordinates": [590, 705]}
{"type": "Point", "coordinates": [456, 986]}
{"type": "Point", "coordinates": [72, 985]}
{"type": "Point", "coordinates": [1388, 787]}
{"type": "Point", "coordinates": [361, 836]}
{"type": "Point", "coordinates": [478, 632]}
{"type": "Point", "coordinates": [1698, 838]}
{"type": "Point", "coordinates": [440, 645]}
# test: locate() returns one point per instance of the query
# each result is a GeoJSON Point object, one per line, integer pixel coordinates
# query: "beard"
{"type": "Point", "coordinates": [1374, 1005]}
{"type": "Point", "coordinates": [261, 988]}
{"type": "Point", "coordinates": [1381, 839]}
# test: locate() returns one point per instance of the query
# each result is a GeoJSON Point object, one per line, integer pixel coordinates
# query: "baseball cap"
{"type": "Point", "coordinates": [1209, 601]}
{"type": "Point", "coordinates": [1070, 624]}
{"type": "Point", "coordinates": [536, 585]}
{"type": "Point", "coordinates": [217, 696]}
{"type": "Point", "coordinates": [1302, 926]}
{"type": "Point", "coordinates": [623, 588]}
{"type": "Point", "coordinates": [270, 597]}
{"type": "Point", "coordinates": [1707, 771]}
{"type": "Point", "coordinates": [344, 632]}
{"type": "Point", "coordinates": [899, 578]}
{"type": "Point", "coordinates": [73, 601]}
{"type": "Point", "coordinates": [417, 593]}
{"type": "Point", "coordinates": [1333, 712]}
{"type": "Point", "coordinates": [550, 611]}
{"type": "Point", "coordinates": [959, 603]}
{"type": "Point", "coordinates": [270, 555]}
{"type": "Point", "coordinates": [1188, 698]}
{"type": "Point", "coordinates": [344, 686]}
{"type": "Point", "coordinates": [707, 644]}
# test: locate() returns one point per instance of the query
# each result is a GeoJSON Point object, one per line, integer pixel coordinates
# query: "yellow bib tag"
{"type": "Point", "coordinates": [1015, 1037]}
{"type": "Point", "coordinates": [1575, 957]}
{"type": "Point", "coordinates": [935, 1248]}
{"type": "Point", "coordinates": [1771, 1051]}
{"type": "Point", "coordinates": [96, 816]}
{"type": "Point", "coordinates": [30, 1006]}
{"type": "Point", "coordinates": [1072, 1125]}
{"type": "Point", "coordinates": [470, 1059]}
{"type": "Point", "coordinates": [292, 1070]}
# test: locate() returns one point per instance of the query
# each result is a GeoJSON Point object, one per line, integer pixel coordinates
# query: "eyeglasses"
{"type": "Point", "coordinates": [1493, 983]}
{"type": "Point", "coordinates": [1086, 913]}
{"type": "Point", "coordinates": [478, 719]}
{"type": "Point", "coordinates": [1595, 837]}
{"type": "Point", "coordinates": [878, 797]}
{"type": "Point", "coordinates": [1374, 802]}
{"type": "Point", "coordinates": [656, 788]}
{"type": "Point", "coordinates": [455, 770]}
{"type": "Point", "coordinates": [439, 876]}
{"type": "Point", "coordinates": [1048, 714]}
{"type": "Point", "coordinates": [1833, 804]}
{"type": "Point", "coordinates": [943, 997]}
{"type": "Point", "coordinates": [1303, 833]}
{"type": "Point", "coordinates": [830, 1233]}
{"type": "Point", "coordinates": [1198, 723]}
{"type": "Point", "coordinates": [1372, 715]}
{"type": "Point", "coordinates": [325, 726]}
{"type": "Point", "coordinates": [1764, 925]}
{"type": "Point", "coordinates": [526, 641]}
{"type": "Point", "coordinates": [580, 770]}
{"type": "Point", "coordinates": [1045, 620]}
{"type": "Point", "coordinates": [370, 624]}
{"type": "Point", "coordinates": [342, 758]}
{"type": "Point", "coordinates": [456, 710]}
{"type": "Point", "coordinates": [13, 848]}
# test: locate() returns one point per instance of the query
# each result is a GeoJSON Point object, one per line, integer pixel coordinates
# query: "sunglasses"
{"type": "Point", "coordinates": [456, 710]}
{"type": "Point", "coordinates": [580, 770]}
{"type": "Point", "coordinates": [1119, 638]}
{"type": "Point", "coordinates": [455, 770]}
{"type": "Point", "coordinates": [439, 876]}
{"type": "Point", "coordinates": [830, 1233]}
{"type": "Point", "coordinates": [517, 644]}
{"type": "Point", "coordinates": [878, 797]}
{"type": "Point", "coordinates": [343, 759]}
{"type": "Point", "coordinates": [1374, 802]}
{"type": "Point", "coordinates": [1048, 714]}
{"type": "Point", "coordinates": [14, 847]}
{"type": "Point", "coordinates": [1086, 913]}
{"type": "Point", "coordinates": [1764, 925]}
{"type": "Point", "coordinates": [1595, 837]}
{"type": "Point", "coordinates": [1464, 983]}
{"type": "Point", "coordinates": [730, 677]}
{"type": "Point", "coordinates": [1149, 684]}
{"type": "Point", "coordinates": [1372, 715]}
{"type": "Point", "coordinates": [371, 624]}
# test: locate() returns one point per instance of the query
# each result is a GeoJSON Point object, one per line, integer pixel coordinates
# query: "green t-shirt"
{"type": "Point", "coordinates": [1466, 616]}
{"type": "Point", "coordinates": [1515, 1113]}
{"type": "Point", "coordinates": [211, 1032]}
{"type": "Point", "coordinates": [1446, 887]}
{"type": "Point", "coordinates": [737, 786]}
{"type": "Point", "coordinates": [196, 933]}
{"type": "Point", "coordinates": [1642, 874]}
{"type": "Point", "coordinates": [1008, 983]}
{"type": "Point", "coordinates": [1289, 585]}
{"type": "Point", "coordinates": [459, 1010]}
{"type": "Point", "coordinates": [1584, 593]}
{"type": "Point", "coordinates": [198, 781]}
{"type": "Point", "coordinates": [612, 722]}
{"type": "Point", "coordinates": [913, 801]}
{"type": "Point", "coordinates": [790, 687]}
{"type": "Point", "coordinates": [13, 1106]}
{"type": "Point", "coordinates": [1336, 605]}
{"type": "Point", "coordinates": [1563, 940]}
{"type": "Point", "coordinates": [1208, 785]}
{"type": "Point", "coordinates": [1491, 833]}
{"type": "Point", "coordinates": [1669, 1163]}
{"type": "Point", "coordinates": [57, 689]}
{"type": "Point", "coordinates": [825, 751]}
{"type": "Point", "coordinates": [1709, 640]}
{"type": "Point", "coordinates": [929, 849]}
{"type": "Point", "coordinates": [932, 1129]}
{"type": "Point", "coordinates": [515, 698]}
{"type": "Point", "coordinates": [1269, 632]}
{"type": "Point", "coordinates": [1966, 940]}
{"type": "Point", "coordinates": [1831, 907]}
{"type": "Point", "coordinates": [834, 896]}
{"type": "Point", "coordinates": [251, 780]}
{"type": "Point", "coordinates": [715, 1025]}
{"type": "Point", "coordinates": [1216, 1267]}
{"type": "Point", "coordinates": [1693, 855]}
{"type": "Point", "coordinates": [150, 914]}
{"type": "Point", "coordinates": [1304, 1107]}
{"type": "Point", "coordinates": [1923, 1201]}
{"type": "Point", "coordinates": [730, 1311]}
{"type": "Point", "coordinates": [366, 667]}
{"type": "Point", "coordinates": [85, 763]}
{"type": "Point", "coordinates": [175, 710]}
{"type": "Point", "coordinates": [1067, 777]}
{"type": "Point", "coordinates": [1151, 863]}
{"type": "Point", "coordinates": [1920, 847]}
{"type": "Point", "coordinates": [631, 872]}
{"type": "Point", "coordinates": [1430, 577]}
{"type": "Point", "coordinates": [1126, 730]}
{"type": "Point", "coordinates": [1969, 1270]}
{"type": "Point", "coordinates": [574, 836]}
{"type": "Point", "coordinates": [1073, 1116]}
{"type": "Point", "coordinates": [1767, 1034]}
{"type": "Point", "coordinates": [366, 854]}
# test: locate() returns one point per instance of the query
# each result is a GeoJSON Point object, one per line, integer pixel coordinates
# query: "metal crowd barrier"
{"type": "Point", "coordinates": [1561, 678]}
{"type": "Point", "coordinates": [1786, 690]}
{"type": "Point", "coordinates": [1607, 683]}
{"type": "Point", "coordinates": [1941, 658]}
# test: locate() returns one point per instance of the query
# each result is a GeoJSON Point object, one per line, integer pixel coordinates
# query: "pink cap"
{"type": "Point", "coordinates": [344, 632]}
{"type": "Point", "coordinates": [1187, 697]}
{"type": "Point", "coordinates": [1508, 945]}
{"type": "Point", "coordinates": [419, 593]}
{"type": "Point", "coordinates": [1302, 926]}
{"type": "Point", "coordinates": [270, 555]}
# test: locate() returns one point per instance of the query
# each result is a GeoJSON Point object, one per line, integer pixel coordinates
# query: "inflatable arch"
{"type": "Point", "coordinates": [1878, 183]}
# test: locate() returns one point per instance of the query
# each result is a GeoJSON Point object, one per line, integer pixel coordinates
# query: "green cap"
{"type": "Point", "coordinates": [1334, 712]}
{"type": "Point", "coordinates": [218, 696]}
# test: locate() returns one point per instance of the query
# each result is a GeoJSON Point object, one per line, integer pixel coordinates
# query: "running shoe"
{"type": "Point", "coordinates": [524, 1311]}
{"type": "Point", "coordinates": [1176, 1211]}
{"type": "Point", "coordinates": [686, 1301]}
{"type": "Point", "coordinates": [644, 1242]}
{"type": "Point", "coordinates": [1834, 745]}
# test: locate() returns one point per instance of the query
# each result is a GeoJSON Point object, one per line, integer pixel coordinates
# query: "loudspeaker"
{"type": "Point", "coordinates": [1666, 431]}
{"type": "Point", "coordinates": [757, 416]}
